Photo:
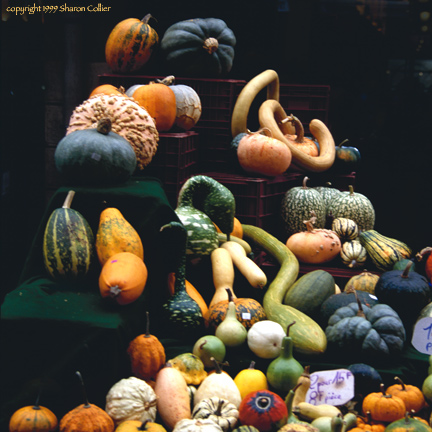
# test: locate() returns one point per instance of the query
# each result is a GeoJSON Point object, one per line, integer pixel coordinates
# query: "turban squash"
{"type": "Point", "coordinates": [199, 47]}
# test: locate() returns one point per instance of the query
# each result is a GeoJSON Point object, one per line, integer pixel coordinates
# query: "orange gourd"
{"type": "Point", "coordinates": [191, 290]}
{"type": "Point", "coordinates": [115, 234]}
{"type": "Point", "coordinates": [302, 143]}
{"type": "Point", "coordinates": [33, 418]}
{"type": "Point", "coordinates": [410, 394]}
{"type": "Point", "coordinates": [367, 424]}
{"type": "Point", "coordinates": [383, 407]}
{"type": "Point", "coordinates": [123, 278]}
{"type": "Point", "coordinates": [160, 102]}
{"type": "Point", "coordinates": [425, 255]}
{"type": "Point", "coordinates": [130, 45]}
{"type": "Point", "coordinates": [146, 354]}
{"type": "Point", "coordinates": [137, 426]}
{"type": "Point", "coordinates": [314, 246]}
{"type": "Point", "coordinates": [106, 89]}
{"type": "Point", "coordinates": [237, 229]}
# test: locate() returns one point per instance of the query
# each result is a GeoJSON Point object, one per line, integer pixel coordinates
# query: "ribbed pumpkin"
{"type": "Point", "coordinates": [33, 418]}
{"type": "Point", "coordinates": [410, 394]}
{"type": "Point", "coordinates": [296, 207]}
{"type": "Point", "coordinates": [128, 119]}
{"type": "Point", "coordinates": [221, 411]}
{"type": "Point", "coordinates": [383, 406]}
{"type": "Point", "coordinates": [115, 234]}
{"type": "Point", "coordinates": [146, 354]}
{"type": "Point", "coordinates": [95, 156]}
{"type": "Point", "coordinates": [355, 206]}
{"type": "Point", "coordinates": [364, 281]}
{"type": "Point", "coordinates": [67, 243]}
{"type": "Point", "coordinates": [353, 254]}
{"type": "Point", "coordinates": [159, 101]}
{"type": "Point", "coordinates": [264, 410]}
{"type": "Point", "coordinates": [199, 47]}
{"type": "Point", "coordinates": [87, 416]}
{"type": "Point", "coordinates": [130, 45]}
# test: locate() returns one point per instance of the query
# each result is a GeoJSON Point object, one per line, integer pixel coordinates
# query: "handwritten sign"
{"type": "Point", "coordinates": [422, 335]}
{"type": "Point", "coordinates": [332, 387]}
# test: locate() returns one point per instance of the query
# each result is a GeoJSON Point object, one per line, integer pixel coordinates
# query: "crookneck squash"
{"type": "Point", "coordinates": [67, 243]}
{"type": "Point", "coordinates": [199, 47]}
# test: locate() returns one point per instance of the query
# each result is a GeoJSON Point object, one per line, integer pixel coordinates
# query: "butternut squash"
{"type": "Point", "coordinates": [173, 400]}
{"type": "Point", "coordinates": [223, 275]}
{"type": "Point", "coordinates": [248, 268]}
{"type": "Point", "coordinates": [271, 115]}
{"type": "Point", "coordinates": [270, 79]}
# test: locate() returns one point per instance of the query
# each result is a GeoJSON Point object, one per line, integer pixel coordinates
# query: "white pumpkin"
{"type": "Point", "coordinates": [197, 425]}
{"type": "Point", "coordinates": [224, 413]}
{"type": "Point", "coordinates": [131, 399]}
{"type": "Point", "coordinates": [264, 339]}
{"type": "Point", "coordinates": [188, 105]}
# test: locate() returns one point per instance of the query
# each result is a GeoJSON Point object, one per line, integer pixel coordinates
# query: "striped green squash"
{"type": "Point", "coordinates": [384, 251]}
{"type": "Point", "coordinates": [345, 228]}
{"type": "Point", "coordinates": [297, 205]}
{"type": "Point", "coordinates": [355, 206]}
{"type": "Point", "coordinates": [308, 337]}
{"type": "Point", "coordinates": [203, 200]}
{"type": "Point", "coordinates": [67, 242]}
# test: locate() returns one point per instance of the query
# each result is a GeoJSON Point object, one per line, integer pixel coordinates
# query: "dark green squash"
{"type": "Point", "coordinates": [408, 424]}
{"type": "Point", "coordinates": [347, 158]}
{"type": "Point", "coordinates": [366, 378]}
{"type": "Point", "coordinates": [199, 47]}
{"type": "Point", "coordinates": [406, 292]}
{"type": "Point", "coordinates": [181, 312]}
{"type": "Point", "coordinates": [363, 332]}
{"type": "Point", "coordinates": [95, 156]}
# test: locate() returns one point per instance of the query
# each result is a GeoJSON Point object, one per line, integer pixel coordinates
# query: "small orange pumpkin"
{"type": "Point", "coordinates": [106, 89]}
{"type": "Point", "coordinates": [367, 424]}
{"type": "Point", "coordinates": [33, 418]}
{"type": "Point", "coordinates": [384, 407]}
{"type": "Point", "coordinates": [159, 101]}
{"type": "Point", "coordinates": [305, 144]}
{"type": "Point", "coordinates": [130, 45]}
{"type": "Point", "coordinates": [123, 278]}
{"type": "Point", "coordinates": [146, 354]}
{"type": "Point", "coordinates": [137, 426]}
{"type": "Point", "coordinates": [314, 246]}
{"type": "Point", "coordinates": [410, 394]}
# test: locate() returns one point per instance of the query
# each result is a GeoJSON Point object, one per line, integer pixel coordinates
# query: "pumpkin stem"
{"type": "Point", "coordinates": [218, 410]}
{"type": "Point", "coordinates": [343, 142]}
{"type": "Point", "coordinates": [360, 312]}
{"type": "Point", "coordinates": [311, 222]}
{"type": "Point", "coordinates": [305, 180]}
{"type": "Point", "coordinates": [252, 365]}
{"type": "Point", "coordinates": [104, 126]}
{"type": "Point", "coordinates": [405, 273]}
{"type": "Point", "coordinates": [146, 19]}
{"type": "Point", "coordinates": [169, 80]}
{"type": "Point", "coordinates": [69, 197]}
{"type": "Point", "coordinates": [351, 189]}
{"type": "Point", "coordinates": [400, 382]}
{"type": "Point", "coordinates": [144, 425]}
{"type": "Point", "coordinates": [86, 402]}
{"type": "Point", "coordinates": [299, 129]}
{"type": "Point", "coordinates": [288, 328]}
{"type": "Point", "coordinates": [383, 391]}
{"type": "Point", "coordinates": [211, 45]}
{"type": "Point", "coordinates": [218, 368]}
{"type": "Point", "coordinates": [230, 295]}
{"type": "Point", "coordinates": [424, 252]}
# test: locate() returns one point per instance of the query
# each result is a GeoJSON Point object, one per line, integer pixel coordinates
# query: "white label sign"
{"type": "Point", "coordinates": [422, 336]}
{"type": "Point", "coordinates": [332, 387]}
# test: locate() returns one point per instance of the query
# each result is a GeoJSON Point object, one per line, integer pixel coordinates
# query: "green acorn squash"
{"type": "Point", "coordinates": [95, 156]}
{"type": "Point", "coordinates": [199, 47]}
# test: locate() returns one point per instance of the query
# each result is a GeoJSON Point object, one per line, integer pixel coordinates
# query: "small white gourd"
{"type": "Point", "coordinates": [264, 339]}
{"type": "Point", "coordinates": [197, 425]}
{"type": "Point", "coordinates": [231, 331]}
{"type": "Point", "coordinates": [131, 399]}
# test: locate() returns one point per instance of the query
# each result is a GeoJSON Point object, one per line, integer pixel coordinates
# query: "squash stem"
{"type": "Point", "coordinates": [147, 330]}
{"type": "Point", "coordinates": [69, 197]}
{"type": "Point", "coordinates": [84, 393]}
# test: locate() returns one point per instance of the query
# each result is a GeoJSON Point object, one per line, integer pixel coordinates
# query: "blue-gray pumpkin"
{"type": "Point", "coordinates": [95, 156]}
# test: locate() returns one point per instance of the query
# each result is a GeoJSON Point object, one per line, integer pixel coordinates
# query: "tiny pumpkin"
{"type": "Point", "coordinates": [221, 411]}
{"type": "Point", "coordinates": [365, 423]}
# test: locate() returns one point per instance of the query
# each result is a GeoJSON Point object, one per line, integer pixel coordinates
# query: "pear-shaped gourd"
{"type": "Point", "coordinates": [231, 331]}
{"type": "Point", "coordinates": [219, 384]}
{"type": "Point", "coordinates": [289, 399]}
{"type": "Point", "coordinates": [284, 371]}
{"type": "Point", "coordinates": [329, 424]}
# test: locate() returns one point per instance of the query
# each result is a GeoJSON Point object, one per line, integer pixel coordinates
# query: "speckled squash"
{"type": "Point", "coordinates": [364, 281]}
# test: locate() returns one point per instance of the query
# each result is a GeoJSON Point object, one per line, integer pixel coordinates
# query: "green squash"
{"type": "Point", "coordinates": [347, 158]}
{"type": "Point", "coordinates": [199, 47]}
{"type": "Point", "coordinates": [355, 206]}
{"type": "Point", "coordinates": [366, 378]}
{"type": "Point", "coordinates": [95, 156]}
{"type": "Point", "coordinates": [406, 292]}
{"type": "Point", "coordinates": [203, 200]}
{"type": "Point", "coordinates": [67, 243]}
{"type": "Point", "coordinates": [408, 424]}
{"type": "Point", "coordinates": [362, 332]}
{"type": "Point", "coordinates": [296, 207]}
{"type": "Point", "coordinates": [329, 193]}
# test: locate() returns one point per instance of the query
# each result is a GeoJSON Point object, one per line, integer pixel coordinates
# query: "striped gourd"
{"type": "Point", "coordinates": [353, 254]}
{"type": "Point", "coordinates": [297, 205]}
{"type": "Point", "coordinates": [202, 200]}
{"type": "Point", "coordinates": [355, 206]}
{"type": "Point", "coordinates": [345, 228]}
{"type": "Point", "coordinates": [67, 242]}
{"type": "Point", "coordinates": [308, 337]}
{"type": "Point", "coordinates": [384, 251]}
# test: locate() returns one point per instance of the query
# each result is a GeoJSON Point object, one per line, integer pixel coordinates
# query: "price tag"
{"type": "Point", "coordinates": [422, 336]}
{"type": "Point", "coordinates": [332, 387]}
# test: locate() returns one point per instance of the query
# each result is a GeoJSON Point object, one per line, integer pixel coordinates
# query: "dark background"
{"type": "Point", "coordinates": [374, 55]}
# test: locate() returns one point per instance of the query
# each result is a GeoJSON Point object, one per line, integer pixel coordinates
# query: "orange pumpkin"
{"type": "Point", "coordinates": [314, 246]}
{"type": "Point", "coordinates": [383, 407]}
{"type": "Point", "coordinates": [146, 354]}
{"type": "Point", "coordinates": [160, 102]}
{"type": "Point", "coordinates": [123, 278]}
{"type": "Point", "coordinates": [367, 424]}
{"type": "Point", "coordinates": [425, 255]}
{"type": "Point", "coordinates": [410, 394]}
{"type": "Point", "coordinates": [33, 418]}
{"type": "Point", "coordinates": [137, 426]}
{"type": "Point", "coordinates": [130, 45]}
{"type": "Point", "coordinates": [106, 89]}
{"type": "Point", "coordinates": [304, 144]}
{"type": "Point", "coordinates": [237, 229]}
